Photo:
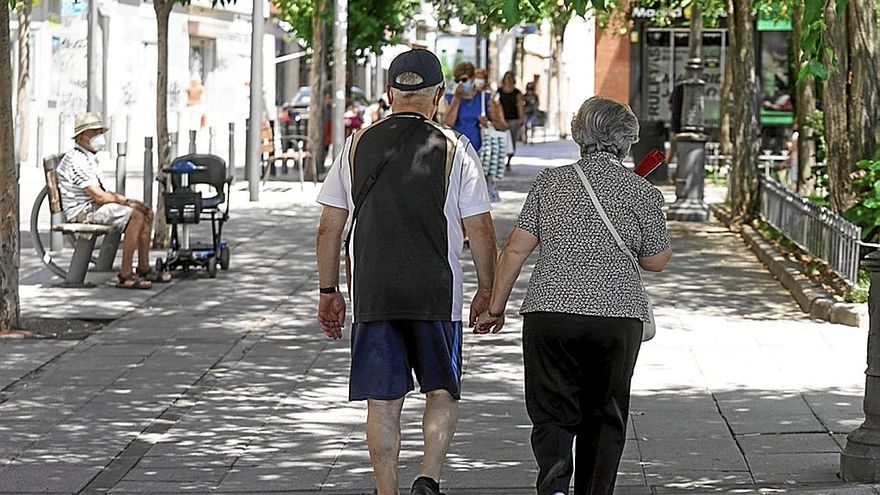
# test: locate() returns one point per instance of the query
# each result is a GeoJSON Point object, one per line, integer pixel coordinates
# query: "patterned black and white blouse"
{"type": "Point", "coordinates": [580, 269]}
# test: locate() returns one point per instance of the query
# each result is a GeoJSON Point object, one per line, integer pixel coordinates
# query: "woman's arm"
{"type": "Point", "coordinates": [496, 114]}
{"type": "Point", "coordinates": [655, 263]}
{"type": "Point", "coordinates": [519, 245]}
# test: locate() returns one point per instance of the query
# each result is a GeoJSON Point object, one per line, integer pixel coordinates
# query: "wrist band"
{"type": "Point", "coordinates": [328, 290]}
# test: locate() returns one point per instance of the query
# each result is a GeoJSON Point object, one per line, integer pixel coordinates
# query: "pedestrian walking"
{"type": "Point", "coordinates": [530, 110]}
{"type": "Point", "coordinates": [513, 107]}
{"type": "Point", "coordinates": [585, 306]}
{"type": "Point", "coordinates": [407, 184]}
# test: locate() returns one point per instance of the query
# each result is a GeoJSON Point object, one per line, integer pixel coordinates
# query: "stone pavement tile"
{"type": "Point", "coordinates": [163, 487]}
{"type": "Point", "coordinates": [307, 476]}
{"type": "Point", "coordinates": [795, 468]}
{"type": "Point", "coordinates": [18, 358]}
{"type": "Point", "coordinates": [841, 413]}
{"type": "Point", "coordinates": [189, 460]}
{"type": "Point", "coordinates": [35, 478]}
{"type": "Point", "coordinates": [179, 474]}
{"type": "Point", "coordinates": [691, 454]}
{"type": "Point", "coordinates": [796, 443]}
{"type": "Point", "coordinates": [695, 480]}
{"type": "Point", "coordinates": [756, 411]}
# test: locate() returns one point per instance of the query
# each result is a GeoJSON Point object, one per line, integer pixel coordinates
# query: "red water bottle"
{"type": "Point", "coordinates": [651, 161]}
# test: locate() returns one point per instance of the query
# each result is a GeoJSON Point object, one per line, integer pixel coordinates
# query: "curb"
{"type": "Point", "coordinates": [810, 296]}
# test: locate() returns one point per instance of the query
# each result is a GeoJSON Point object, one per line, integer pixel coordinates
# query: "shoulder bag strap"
{"type": "Point", "coordinates": [371, 180]}
{"type": "Point", "coordinates": [620, 244]}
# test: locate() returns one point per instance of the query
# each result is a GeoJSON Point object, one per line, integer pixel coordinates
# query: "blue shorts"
{"type": "Point", "coordinates": [384, 355]}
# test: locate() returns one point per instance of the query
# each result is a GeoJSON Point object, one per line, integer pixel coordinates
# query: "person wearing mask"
{"type": "Point", "coordinates": [84, 200]}
{"type": "Point", "coordinates": [513, 108]}
{"type": "Point", "coordinates": [585, 307]}
{"type": "Point", "coordinates": [530, 110]}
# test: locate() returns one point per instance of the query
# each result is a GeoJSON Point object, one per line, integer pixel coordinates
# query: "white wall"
{"type": "Point", "coordinates": [59, 81]}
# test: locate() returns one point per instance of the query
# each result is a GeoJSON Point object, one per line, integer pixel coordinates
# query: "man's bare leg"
{"type": "Point", "coordinates": [144, 240]}
{"type": "Point", "coordinates": [131, 241]}
{"type": "Point", "coordinates": [383, 439]}
{"type": "Point", "coordinates": [438, 426]}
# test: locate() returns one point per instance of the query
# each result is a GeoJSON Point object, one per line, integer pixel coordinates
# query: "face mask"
{"type": "Point", "coordinates": [98, 142]}
{"type": "Point", "coordinates": [479, 82]}
{"type": "Point", "coordinates": [467, 86]}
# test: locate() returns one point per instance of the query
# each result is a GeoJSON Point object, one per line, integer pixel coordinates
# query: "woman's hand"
{"type": "Point", "coordinates": [487, 323]}
{"type": "Point", "coordinates": [484, 121]}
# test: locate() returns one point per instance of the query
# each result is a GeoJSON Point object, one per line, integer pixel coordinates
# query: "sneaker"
{"type": "Point", "coordinates": [425, 486]}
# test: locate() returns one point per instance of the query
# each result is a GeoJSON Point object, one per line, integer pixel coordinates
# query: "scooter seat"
{"type": "Point", "coordinates": [212, 202]}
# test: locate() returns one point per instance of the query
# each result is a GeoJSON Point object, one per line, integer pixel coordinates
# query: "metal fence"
{"type": "Point", "coordinates": [817, 230]}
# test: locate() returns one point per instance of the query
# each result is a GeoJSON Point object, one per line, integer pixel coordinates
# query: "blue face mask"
{"type": "Point", "coordinates": [467, 86]}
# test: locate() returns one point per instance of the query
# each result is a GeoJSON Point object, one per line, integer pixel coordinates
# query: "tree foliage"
{"type": "Point", "coordinates": [372, 24]}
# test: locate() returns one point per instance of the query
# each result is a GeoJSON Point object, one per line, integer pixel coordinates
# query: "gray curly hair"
{"type": "Point", "coordinates": [605, 125]}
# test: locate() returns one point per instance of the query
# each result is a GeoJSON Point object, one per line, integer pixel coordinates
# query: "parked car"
{"type": "Point", "coordinates": [293, 116]}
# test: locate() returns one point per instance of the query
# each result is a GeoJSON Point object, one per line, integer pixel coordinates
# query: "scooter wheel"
{"type": "Point", "coordinates": [212, 267]}
{"type": "Point", "coordinates": [224, 257]}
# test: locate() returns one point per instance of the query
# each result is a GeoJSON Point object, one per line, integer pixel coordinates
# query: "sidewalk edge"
{"type": "Point", "coordinates": [810, 297]}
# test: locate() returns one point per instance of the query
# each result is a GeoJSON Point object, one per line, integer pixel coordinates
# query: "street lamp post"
{"type": "Point", "coordinates": [254, 155]}
{"type": "Point", "coordinates": [340, 38]}
{"type": "Point", "coordinates": [860, 459]}
{"type": "Point", "coordinates": [691, 142]}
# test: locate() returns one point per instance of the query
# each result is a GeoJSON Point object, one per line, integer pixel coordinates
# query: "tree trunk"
{"type": "Point", "coordinates": [726, 102]}
{"type": "Point", "coordinates": [10, 312]}
{"type": "Point", "coordinates": [316, 104]}
{"type": "Point", "coordinates": [163, 149]}
{"type": "Point", "coordinates": [838, 155]}
{"type": "Point", "coordinates": [805, 105]}
{"type": "Point", "coordinates": [863, 97]}
{"type": "Point", "coordinates": [24, 76]}
{"type": "Point", "coordinates": [554, 97]}
{"type": "Point", "coordinates": [745, 133]}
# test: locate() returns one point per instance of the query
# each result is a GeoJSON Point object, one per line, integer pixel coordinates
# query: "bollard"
{"type": "Point", "coordinates": [39, 142]}
{"type": "Point", "coordinates": [120, 167]}
{"type": "Point", "coordinates": [148, 171]}
{"type": "Point", "coordinates": [173, 138]}
{"type": "Point", "coordinates": [230, 166]}
{"type": "Point", "coordinates": [192, 141]}
{"type": "Point", "coordinates": [860, 459]}
{"type": "Point", "coordinates": [111, 135]}
{"type": "Point", "coordinates": [60, 134]}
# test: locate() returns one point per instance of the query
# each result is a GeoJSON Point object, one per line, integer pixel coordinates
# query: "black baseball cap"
{"type": "Point", "coordinates": [418, 61]}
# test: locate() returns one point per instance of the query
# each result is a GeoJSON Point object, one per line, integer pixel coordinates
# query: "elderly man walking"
{"type": "Point", "coordinates": [407, 184]}
{"type": "Point", "coordinates": [85, 200]}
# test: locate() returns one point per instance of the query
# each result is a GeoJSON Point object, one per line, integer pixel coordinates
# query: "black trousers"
{"type": "Point", "coordinates": [577, 376]}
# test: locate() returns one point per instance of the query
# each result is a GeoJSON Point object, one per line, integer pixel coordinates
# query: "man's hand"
{"type": "Point", "coordinates": [331, 314]}
{"type": "Point", "coordinates": [138, 205]}
{"type": "Point", "coordinates": [485, 323]}
{"type": "Point", "coordinates": [479, 305]}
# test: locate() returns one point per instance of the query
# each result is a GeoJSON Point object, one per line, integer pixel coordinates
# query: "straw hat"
{"type": "Point", "coordinates": [88, 121]}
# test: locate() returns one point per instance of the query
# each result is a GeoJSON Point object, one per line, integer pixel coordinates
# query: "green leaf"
{"type": "Point", "coordinates": [817, 69]}
{"type": "Point", "coordinates": [872, 203]}
{"type": "Point", "coordinates": [580, 6]}
{"type": "Point", "coordinates": [877, 188]}
{"type": "Point", "coordinates": [597, 4]}
{"type": "Point", "coordinates": [511, 12]}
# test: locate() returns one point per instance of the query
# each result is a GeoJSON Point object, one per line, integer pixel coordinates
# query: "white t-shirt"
{"type": "Point", "coordinates": [408, 236]}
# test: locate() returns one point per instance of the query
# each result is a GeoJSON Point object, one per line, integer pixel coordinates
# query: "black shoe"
{"type": "Point", "coordinates": [425, 486]}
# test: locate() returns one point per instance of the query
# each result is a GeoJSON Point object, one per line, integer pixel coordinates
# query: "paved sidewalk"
{"type": "Point", "coordinates": [227, 386]}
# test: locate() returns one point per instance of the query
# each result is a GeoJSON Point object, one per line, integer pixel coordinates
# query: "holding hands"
{"type": "Point", "coordinates": [481, 321]}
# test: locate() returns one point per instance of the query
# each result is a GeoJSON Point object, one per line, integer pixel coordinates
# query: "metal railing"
{"type": "Point", "coordinates": [817, 230]}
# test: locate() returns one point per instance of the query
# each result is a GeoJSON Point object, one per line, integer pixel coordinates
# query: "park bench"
{"type": "Point", "coordinates": [84, 236]}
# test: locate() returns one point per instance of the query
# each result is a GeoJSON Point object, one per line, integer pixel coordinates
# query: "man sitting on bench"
{"type": "Point", "coordinates": [84, 200]}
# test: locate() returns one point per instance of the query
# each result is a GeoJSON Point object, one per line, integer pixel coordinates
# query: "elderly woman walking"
{"type": "Point", "coordinates": [585, 306]}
